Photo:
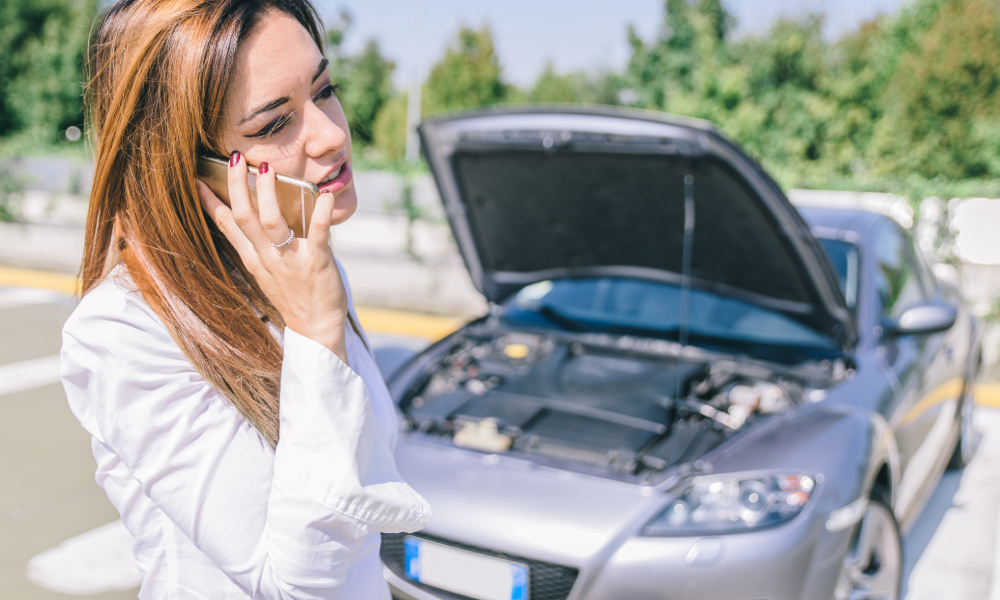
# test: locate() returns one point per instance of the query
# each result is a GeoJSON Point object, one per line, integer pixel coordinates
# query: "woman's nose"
{"type": "Point", "coordinates": [322, 133]}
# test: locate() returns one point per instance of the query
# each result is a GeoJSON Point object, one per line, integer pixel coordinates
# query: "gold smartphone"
{"type": "Point", "coordinates": [296, 197]}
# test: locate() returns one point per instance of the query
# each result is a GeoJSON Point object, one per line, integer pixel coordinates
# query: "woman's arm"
{"type": "Point", "coordinates": [281, 524]}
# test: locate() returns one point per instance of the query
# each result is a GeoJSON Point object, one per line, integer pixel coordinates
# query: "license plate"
{"type": "Point", "coordinates": [463, 572]}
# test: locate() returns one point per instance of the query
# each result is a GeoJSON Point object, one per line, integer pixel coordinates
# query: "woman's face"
{"type": "Point", "coordinates": [281, 109]}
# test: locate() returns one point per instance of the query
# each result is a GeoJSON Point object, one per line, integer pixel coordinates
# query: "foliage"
{"type": "Point", "coordinates": [336, 32]}
{"type": "Point", "coordinates": [906, 104]}
{"type": "Point", "coordinates": [366, 87]}
{"type": "Point", "coordinates": [942, 108]}
{"type": "Point", "coordinates": [42, 44]}
{"type": "Point", "coordinates": [406, 205]}
{"type": "Point", "coordinates": [11, 186]}
{"type": "Point", "coordinates": [390, 129]}
{"type": "Point", "coordinates": [574, 88]}
{"type": "Point", "coordinates": [365, 79]}
{"type": "Point", "coordinates": [468, 75]}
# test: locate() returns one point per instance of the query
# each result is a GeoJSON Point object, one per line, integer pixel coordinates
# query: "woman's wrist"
{"type": "Point", "coordinates": [332, 337]}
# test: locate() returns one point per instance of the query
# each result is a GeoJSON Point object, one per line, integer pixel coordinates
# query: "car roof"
{"type": "Point", "coordinates": [860, 222]}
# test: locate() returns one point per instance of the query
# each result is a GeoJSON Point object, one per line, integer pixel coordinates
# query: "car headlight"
{"type": "Point", "coordinates": [733, 503]}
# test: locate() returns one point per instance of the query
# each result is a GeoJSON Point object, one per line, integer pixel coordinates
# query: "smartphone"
{"type": "Point", "coordinates": [296, 197]}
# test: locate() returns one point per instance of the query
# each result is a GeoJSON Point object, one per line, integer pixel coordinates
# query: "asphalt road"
{"type": "Point", "coordinates": [48, 491]}
{"type": "Point", "coordinates": [48, 495]}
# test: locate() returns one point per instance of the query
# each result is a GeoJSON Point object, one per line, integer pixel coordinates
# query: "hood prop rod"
{"type": "Point", "coordinates": [682, 335]}
{"type": "Point", "coordinates": [686, 258]}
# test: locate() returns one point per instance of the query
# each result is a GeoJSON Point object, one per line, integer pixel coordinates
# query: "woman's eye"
{"type": "Point", "coordinates": [275, 126]}
{"type": "Point", "coordinates": [272, 128]}
{"type": "Point", "coordinates": [326, 92]}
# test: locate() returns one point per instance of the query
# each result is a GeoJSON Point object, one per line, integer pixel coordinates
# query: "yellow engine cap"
{"type": "Point", "coordinates": [516, 350]}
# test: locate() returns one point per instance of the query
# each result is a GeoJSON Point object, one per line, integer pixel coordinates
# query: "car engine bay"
{"type": "Point", "coordinates": [609, 405]}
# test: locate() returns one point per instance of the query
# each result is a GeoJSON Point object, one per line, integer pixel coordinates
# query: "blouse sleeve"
{"type": "Point", "coordinates": [283, 523]}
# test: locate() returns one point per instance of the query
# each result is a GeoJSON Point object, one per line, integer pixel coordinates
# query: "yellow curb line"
{"type": "Point", "coordinates": [398, 322]}
{"type": "Point", "coordinates": [375, 320]}
{"type": "Point", "coordinates": [46, 280]}
{"type": "Point", "coordinates": [988, 394]}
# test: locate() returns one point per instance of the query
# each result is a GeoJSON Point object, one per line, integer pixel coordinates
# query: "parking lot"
{"type": "Point", "coordinates": [62, 540]}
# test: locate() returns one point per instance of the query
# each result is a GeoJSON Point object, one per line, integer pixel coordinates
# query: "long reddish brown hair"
{"type": "Point", "coordinates": [158, 74]}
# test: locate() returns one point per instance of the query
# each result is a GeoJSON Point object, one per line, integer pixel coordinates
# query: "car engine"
{"type": "Point", "coordinates": [588, 404]}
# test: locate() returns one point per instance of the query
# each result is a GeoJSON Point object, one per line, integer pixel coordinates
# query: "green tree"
{"type": "Point", "coordinates": [468, 75]}
{"type": "Point", "coordinates": [908, 103]}
{"type": "Point", "coordinates": [365, 79]}
{"type": "Point", "coordinates": [553, 87]}
{"type": "Point", "coordinates": [782, 111]}
{"type": "Point", "coordinates": [390, 129]}
{"type": "Point", "coordinates": [336, 33]}
{"type": "Point", "coordinates": [574, 88]}
{"type": "Point", "coordinates": [366, 87]}
{"type": "Point", "coordinates": [41, 80]}
{"type": "Point", "coordinates": [942, 105]}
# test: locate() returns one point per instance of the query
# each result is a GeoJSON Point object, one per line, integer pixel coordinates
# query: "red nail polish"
{"type": "Point", "coordinates": [263, 168]}
{"type": "Point", "coordinates": [234, 158]}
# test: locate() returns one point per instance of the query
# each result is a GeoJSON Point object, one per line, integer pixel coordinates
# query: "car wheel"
{"type": "Point", "coordinates": [873, 567]}
{"type": "Point", "coordinates": [963, 447]}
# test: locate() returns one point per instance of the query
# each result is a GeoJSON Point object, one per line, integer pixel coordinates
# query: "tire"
{"type": "Point", "coordinates": [962, 454]}
{"type": "Point", "coordinates": [873, 567]}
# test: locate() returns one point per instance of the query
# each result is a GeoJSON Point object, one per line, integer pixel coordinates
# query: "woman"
{"type": "Point", "coordinates": [239, 422]}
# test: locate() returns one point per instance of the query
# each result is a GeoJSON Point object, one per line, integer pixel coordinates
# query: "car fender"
{"type": "Point", "coordinates": [845, 447]}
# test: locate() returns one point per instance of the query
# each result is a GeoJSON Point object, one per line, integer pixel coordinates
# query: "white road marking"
{"type": "Point", "coordinates": [28, 374]}
{"type": "Point", "coordinates": [95, 562]}
{"type": "Point", "coordinates": [11, 297]}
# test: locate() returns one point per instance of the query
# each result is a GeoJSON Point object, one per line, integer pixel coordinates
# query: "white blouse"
{"type": "Point", "coordinates": [214, 511]}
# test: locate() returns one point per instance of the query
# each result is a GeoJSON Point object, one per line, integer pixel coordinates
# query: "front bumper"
{"type": "Point", "coordinates": [800, 560]}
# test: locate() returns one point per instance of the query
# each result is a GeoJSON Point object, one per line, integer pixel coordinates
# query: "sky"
{"type": "Point", "coordinates": [574, 34]}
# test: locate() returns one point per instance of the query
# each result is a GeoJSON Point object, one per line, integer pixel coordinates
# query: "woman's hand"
{"type": "Point", "coordinates": [301, 279]}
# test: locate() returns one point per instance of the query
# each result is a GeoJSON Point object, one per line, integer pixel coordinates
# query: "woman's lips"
{"type": "Point", "coordinates": [339, 182]}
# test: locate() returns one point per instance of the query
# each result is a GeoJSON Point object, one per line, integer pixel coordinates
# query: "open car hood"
{"type": "Point", "coordinates": [547, 193]}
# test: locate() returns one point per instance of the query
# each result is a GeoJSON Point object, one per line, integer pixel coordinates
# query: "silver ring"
{"type": "Point", "coordinates": [291, 236]}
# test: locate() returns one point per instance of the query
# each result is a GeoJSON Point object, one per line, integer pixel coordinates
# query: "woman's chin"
{"type": "Point", "coordinates": [344, 206]}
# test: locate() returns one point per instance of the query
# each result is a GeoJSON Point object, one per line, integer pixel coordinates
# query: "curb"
{"type": "Point", "coordinates": [988, 394]}
{"type": "Point", "coordinates": [374, 320]}
{"type": "Point", "coordinates": [46, 280]}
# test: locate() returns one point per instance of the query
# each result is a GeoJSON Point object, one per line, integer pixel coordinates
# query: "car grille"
{"type": "Point", "coordinates": [546, 580]}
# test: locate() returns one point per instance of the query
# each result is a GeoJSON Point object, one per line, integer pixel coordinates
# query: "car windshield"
{"type": "Point", "coordinates": [620, 305]}
{"type": "Point", "coordinates": [844, 256]}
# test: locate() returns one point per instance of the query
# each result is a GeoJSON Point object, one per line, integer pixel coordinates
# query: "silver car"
{"type": "Point", "coordinates": [683, 388]}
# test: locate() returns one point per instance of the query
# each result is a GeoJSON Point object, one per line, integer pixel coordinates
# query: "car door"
{"type": "Point", "coordinates": [924, 410]}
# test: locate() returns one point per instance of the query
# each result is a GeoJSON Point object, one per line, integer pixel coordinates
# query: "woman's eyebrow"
{"type": "Point", "coordinates": [269, 106]}
{"type": "Point", "coordinates": [322, 67]}
{"type": "Point", "coordinates": [323, 64]}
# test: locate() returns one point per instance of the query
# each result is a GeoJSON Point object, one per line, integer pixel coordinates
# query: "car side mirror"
{"type": "Point", "coordinates": [926, 317]}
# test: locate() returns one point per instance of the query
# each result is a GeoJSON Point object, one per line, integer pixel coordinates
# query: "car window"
{"type": "Point", "coordinates": [845, 259]}
{"type": "Point", "coordinates": [898, 279]}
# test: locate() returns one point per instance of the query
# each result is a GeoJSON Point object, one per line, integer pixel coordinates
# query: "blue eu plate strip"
{"type": "Point", "coordinates": [411, 550]}
{"type": "Point", "coordinates": [520, 589]}
{"type": "Point", "coordinates": [519, 573]}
